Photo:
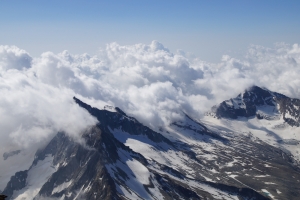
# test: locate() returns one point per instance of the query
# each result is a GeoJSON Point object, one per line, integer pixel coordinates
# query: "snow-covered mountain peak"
{"type": "Point", "coordinates": [261, 103]}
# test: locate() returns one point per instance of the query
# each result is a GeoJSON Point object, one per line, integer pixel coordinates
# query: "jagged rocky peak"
{"type": "Point", "coordinates": [255, 101]}
{"type": "Point", "coordinates": [119, 120]}
{"type": "Point", "coordinates": [66, 169]}
{"type": "Point", "coordinates": [106, 108]}
{"type": "Point", "coordinates": [245, 104]}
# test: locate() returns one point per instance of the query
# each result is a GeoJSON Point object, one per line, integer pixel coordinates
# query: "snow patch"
{"type": "Point", "coordinates": [38, 175]}
{"type": "Point", "coordinates": [278, 192]}
{"type": "Point", "coordinates": [266, 192]}
{"type": "Point", "coordinates": [140, 171]}
{"type": "Point", "coordinates": [61, 187]}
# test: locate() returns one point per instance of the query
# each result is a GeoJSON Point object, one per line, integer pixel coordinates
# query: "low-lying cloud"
{"type": "Point", "coordinates": [146, 81]}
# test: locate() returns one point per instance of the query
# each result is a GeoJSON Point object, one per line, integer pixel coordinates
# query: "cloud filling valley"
{"type": "Point", "coordinates": [148, 82]}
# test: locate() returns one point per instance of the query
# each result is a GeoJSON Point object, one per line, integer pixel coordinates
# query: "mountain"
{"type": "Point", "coordinates": [258, 102]}
{"type": "Point", "coordinates": [222, 156]}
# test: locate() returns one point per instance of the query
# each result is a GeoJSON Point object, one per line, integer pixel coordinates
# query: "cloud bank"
{"type": "Point", "coordinates": [146, 81]}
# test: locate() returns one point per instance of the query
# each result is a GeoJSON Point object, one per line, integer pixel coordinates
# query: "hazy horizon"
{"type": "Point", "coordinates": [205, 29]}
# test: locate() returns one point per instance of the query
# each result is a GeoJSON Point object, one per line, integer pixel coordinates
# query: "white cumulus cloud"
{"type": "Point", "coordinates": [147, 81]}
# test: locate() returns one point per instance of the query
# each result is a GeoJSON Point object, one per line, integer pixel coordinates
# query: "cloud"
{"type": "Point", "coordinates": [31, 109]}
{"type": "Point", "coordinates": [147, 81]}
{"type": "Point", "coordinates": [14, 58]}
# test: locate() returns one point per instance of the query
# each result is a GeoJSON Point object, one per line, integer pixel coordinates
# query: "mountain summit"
{"type": "Point", "coordinates": [257, 101]}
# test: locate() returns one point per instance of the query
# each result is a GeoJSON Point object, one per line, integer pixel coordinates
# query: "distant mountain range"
{"type": "Point", "coordinates": [246, 147]}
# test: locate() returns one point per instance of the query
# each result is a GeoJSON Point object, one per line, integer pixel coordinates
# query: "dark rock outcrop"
{"type": "Point", "coordinates": [247, 103]}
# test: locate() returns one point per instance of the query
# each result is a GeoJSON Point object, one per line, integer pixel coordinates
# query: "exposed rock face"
{"type": "Point", "coordinates": [247, 104]}
{"type": "Point", "coordinates": [77, 167]}
{"type": "Point", "coordinates": [120, 158]}
{"type": "Point", "coordinates": [81, 168]}
{"type": "Point", "coordinates": [17, 182]}
{"type": "Point", "coordinates": [120, 119]}
{"type": "Point", "coordinates": [290, 109]}
{"type": "Point", "coordinates": [2, 197]}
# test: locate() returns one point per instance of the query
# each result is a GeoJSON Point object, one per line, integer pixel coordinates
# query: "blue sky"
{"type": "Point", "coordinates": [207, 29]}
